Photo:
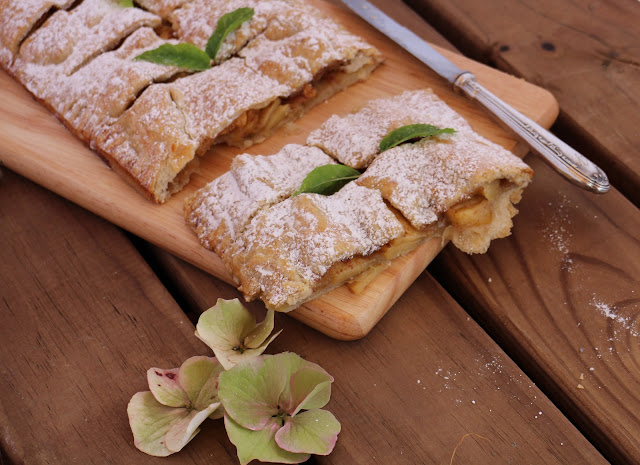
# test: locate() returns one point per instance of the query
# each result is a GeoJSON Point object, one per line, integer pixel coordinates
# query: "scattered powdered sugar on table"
{"type": "Point", "coordinates": [557, 230]}
{"type": "Point", "coordinates": [610, 312]}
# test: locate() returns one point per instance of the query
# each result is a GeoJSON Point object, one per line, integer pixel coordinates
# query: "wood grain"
{"type": "Point", "coordinates": [562, 297]}
{"type": "Point", "coordinates": [83, 318]}
{"type": "Point", "coordinates": [586, 53]}
{"type": "Point", "coordinates": [56, 160]}
{"type": "Point", "coordinates": [423, 378]}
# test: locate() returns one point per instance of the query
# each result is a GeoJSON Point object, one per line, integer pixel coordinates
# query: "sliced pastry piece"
{"type": "Point", "coordinates": [70, 39]}
{"type": "Point", "coordinates": [18, 19]}
{"type": "Point", "coordinates": [354, 139]}
{"type": "Point", "coordinates": [462, 182]}
{"type": "Point", "coordinates": [219, 212]}
{"type": "Point", "coordinates": [155, 142]}
{"type": "Point", "coordinates": [309, 244]}
{"type": "Point", "coordinates": [304, 45]}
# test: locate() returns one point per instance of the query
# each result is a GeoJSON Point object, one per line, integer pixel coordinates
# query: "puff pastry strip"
{"type": "Point", "coordinates": [92, 99]}
{"type": "Point", "coordinates": [459, 186]}
{"type": "Point", "coordinates": [159, 136]}
{"type": "Point", "coordinates": [309, 244]}
{"type": "Point", "coordinates": [196, 20]}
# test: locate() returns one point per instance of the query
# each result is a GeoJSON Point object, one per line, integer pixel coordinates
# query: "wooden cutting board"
{"type": "Point", "coordinates": [35, 144]}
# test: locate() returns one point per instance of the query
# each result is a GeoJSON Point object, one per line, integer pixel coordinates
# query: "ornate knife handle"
{"type": "Point", "coordinates": [567, 161]}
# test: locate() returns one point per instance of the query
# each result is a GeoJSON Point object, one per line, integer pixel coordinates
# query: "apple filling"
{"type": "Point", "coordinates": [257, 125]}
{"type": "Point", "coordinates": [474, 222]}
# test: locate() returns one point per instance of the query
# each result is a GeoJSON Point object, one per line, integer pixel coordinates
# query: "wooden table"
{"type": "Point", "coordinates": [528, 354]}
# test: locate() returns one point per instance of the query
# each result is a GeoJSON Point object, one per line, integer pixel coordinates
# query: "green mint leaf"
{"type": "Point", "coordinates": [126, 3]}
{"type": "Point", "coordinates": [181, 55]}
{"type": "Point", "coordinates": [327, 179]}
{"type": "Point", "coordinates": [226, 25]}
{"type": "Point", "coordinates": [412, 131]}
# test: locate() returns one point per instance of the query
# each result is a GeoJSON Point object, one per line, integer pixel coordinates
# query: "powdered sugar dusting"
{"type": "Point", "coordinates": [97, 94]}
{"type": "Point", "coordinates": [162, 7]}
{"type": "Point", "coordinates": [213, 99]}
{"type": "Point", "coordinates": [557, 231]}
{"type": "Point", "coordinates": [609, 311]}
{"type": "Point", "coordinates": [197, 20]}
{"type": "Point", "coordinates": [220, 211]}
{"type": "Point", "coordinates": [70, 39]}
{"type": "Point", "coordinates": [354, 139]}
{"type": "Point", "coordinates": [17, 19]}
{"type": "Point", "coordinates": [299, 45]}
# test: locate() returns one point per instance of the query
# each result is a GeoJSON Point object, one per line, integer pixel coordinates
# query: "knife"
{"type": "Point", "coordinates": [567, 161]}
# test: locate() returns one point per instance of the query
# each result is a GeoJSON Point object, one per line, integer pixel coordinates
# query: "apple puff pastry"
{"type": "Point", "coordinates": [151, 122]}
{"type": "Point", "coordinates": [291, 249]}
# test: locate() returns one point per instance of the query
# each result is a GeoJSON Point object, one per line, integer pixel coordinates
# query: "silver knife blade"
{"type": "Point", "coordinates": [565, 160]}
{"type": "Point", "coordinates": [411, 42]}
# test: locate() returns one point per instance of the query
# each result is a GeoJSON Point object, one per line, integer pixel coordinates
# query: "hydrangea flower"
{"type": "Point", "coordinates": [166, 418]}
{"type": "Point", "coordinates": [232, 333]}
{"type": "Point", "coordinates": [273, 409]}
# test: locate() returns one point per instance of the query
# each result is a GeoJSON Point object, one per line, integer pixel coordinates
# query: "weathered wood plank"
{"type": "Point", "coordinates": [562, 297]}
{"type": "Point", "coordinates": [425, 377]}
{"type": "Point", "coordinates": [586, 53]}
{"type": "Point", "coordinates": [83, 318]}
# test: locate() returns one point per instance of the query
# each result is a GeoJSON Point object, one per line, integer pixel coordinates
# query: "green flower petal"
{"type": "Point", "coordinates": [261, 332]}
{"type": "Point", "coordinates": [199, 378]}
{"type": "Point", "coordinates": [150, 421]}
{"type": "Point", "coordinates": [225, 325]}
{"type": "Point", "coordinates": [260, 445]}
{"type": "Point", "coordinates": [250, 391]}
{"type": "Point", "coordinates": [230, 358]}
{"type": "Point", "coordinates": [310, 388]}
{"type": "Point", "coordinates": [231, 332]}
{"type": "Point", "coordinates": [183, 431]}
{"type": "Point", "coordinates": [166, 388]}
{"type": "Point", "coordinates": [299, 387]}
{"type": "Point", "coordinates": [311, 432]}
